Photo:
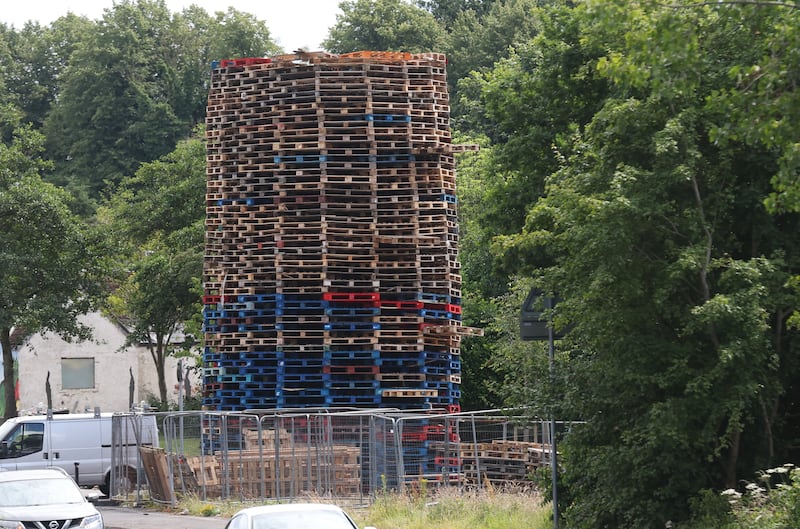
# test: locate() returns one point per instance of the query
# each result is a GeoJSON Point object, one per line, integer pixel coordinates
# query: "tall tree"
{"type": "Point", "coordinates": [157, 218]}
{"type": "Point", "coordinates": [446, 11]}
{"type": "Point", "coordinates": [40, 55]}
{"type": "Point", "coordinates": [135, 86]}
{"type": "Point", "coordinates": [49, 264]}
{"type": "Point", "coordinates": [384, 25]}
{"type": "Point", "coordinates": [156, 299]}
{"type": "Point", "coordinates": [479, 38]}
{"type": "Point", "coordinates": [201, 38]}
{"type": "Point", "coordinates": [113, 111]}
{"type": "Point", "coordinates": [674, 274]}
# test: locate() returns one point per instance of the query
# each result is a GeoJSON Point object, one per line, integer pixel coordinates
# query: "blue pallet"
{"type": "Point", "coordinates": [392, 158]}
{"type": "Point", "coordinates": [300, 377]}
{"type": "Point", "coordinates": [256, 313]}
{"type": "Point", "coordinates": [212, 357]}
{"type": "Point", "coordinates": [433, 370]}
{"type": "Point", "coordinates": [259, 298]}
{"type": "Point", "coordinates": [354, 312]}
{"type": "Point", "coordinates": [436, 314]}
{"type": "Point", "coordinates": [301, 369]}
{"type": "Point", "coordinates": [257, 355]}
{"type": "Point", "coordinates": [221, 401]}
{"type": "Point", "coordinates": [389, 118]}
{"type": "Point", "coordinates": [295, 304]}
{"type": "Point", "coordinates": [301, 159]}
{"type": "Point", "coordinates": [346, 385]}
{"type": "Point", "coordinates": [354, 400]}
{"type": "Point", "coordinates": [351, 355]}
{"type": "Point", "coordinates": [258, 401]}
{"type": "Point", "coordinates": [233, 363]}
{"type": "Point", "coordinates": [351, 326]}
{"type": "Point", "coordinates": [264, 371]}
{"type": "Point", "coordinates": [414, 451]}
{"type": "Point", "coordinates": [292, 399]}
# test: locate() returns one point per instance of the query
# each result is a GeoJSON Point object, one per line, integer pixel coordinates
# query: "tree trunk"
{"type": "Point", "coordinates": [161, 370]}
{"type": "Point", "coordinates": [9, 383]}
{"type": "Point", "coordinates": [729, 465]}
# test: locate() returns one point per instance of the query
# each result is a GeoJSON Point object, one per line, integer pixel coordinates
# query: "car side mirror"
{"type": "Point", "coordinates": [93, 496]}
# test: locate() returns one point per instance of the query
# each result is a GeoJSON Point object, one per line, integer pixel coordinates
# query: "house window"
{"type": "Point", "coordinates": [77, 373]}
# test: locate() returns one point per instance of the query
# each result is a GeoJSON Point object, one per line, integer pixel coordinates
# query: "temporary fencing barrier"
{"type": "Point", "coordinates": [350, 455]}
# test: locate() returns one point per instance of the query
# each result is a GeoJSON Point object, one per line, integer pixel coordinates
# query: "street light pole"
{"type": "Point", "coordinates": [538, 325]}
{"type": "Point", "coordinates": [551, 350]}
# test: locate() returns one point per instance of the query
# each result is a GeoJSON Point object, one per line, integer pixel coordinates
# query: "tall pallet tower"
{"type": "Point", "coordinates": [331, 272]}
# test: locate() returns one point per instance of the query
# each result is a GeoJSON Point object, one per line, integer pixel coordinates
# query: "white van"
{"type": "Point", "coordinates": [85, 445]}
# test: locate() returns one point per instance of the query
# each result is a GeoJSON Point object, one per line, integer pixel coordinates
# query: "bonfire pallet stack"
{"type": "Point", "coordinates": [331, 272]}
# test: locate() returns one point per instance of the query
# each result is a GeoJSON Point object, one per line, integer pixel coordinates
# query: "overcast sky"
{"type": "Point", "coordinates": [292, 23]}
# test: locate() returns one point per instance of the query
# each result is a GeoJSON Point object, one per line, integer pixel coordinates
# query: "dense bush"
{"type": "Point", "coordinates": [771, 502]}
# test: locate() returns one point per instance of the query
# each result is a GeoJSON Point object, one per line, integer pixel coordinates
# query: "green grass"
{"type": "Point", "coordinates": [451, 509]}
{"type": "Point", "coordinates": [441, 509]}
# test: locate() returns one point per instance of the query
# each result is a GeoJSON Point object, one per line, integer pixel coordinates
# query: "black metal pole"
{"type": "Point", "coordinates": [551, 349]}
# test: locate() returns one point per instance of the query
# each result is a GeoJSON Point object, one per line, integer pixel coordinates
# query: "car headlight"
{"type": "Point", "coordinates": [11, 524]}
{"type": "Point", "coordinates": [94, 521]}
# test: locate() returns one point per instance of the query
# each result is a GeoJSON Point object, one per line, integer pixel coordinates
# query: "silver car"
{"type": "Point", "coordinates": [292, 516]}
{"type": "Point", "coordinates": [44, 499]}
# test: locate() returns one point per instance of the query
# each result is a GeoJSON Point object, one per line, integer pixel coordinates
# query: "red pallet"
{"type": "Point", "coordinates": [351, 297]}
{"type": "Point", "coordinates": [246, 61]}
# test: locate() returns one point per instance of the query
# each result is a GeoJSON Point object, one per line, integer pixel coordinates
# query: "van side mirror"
{"type": "Point", "coordinates": [4, 449]}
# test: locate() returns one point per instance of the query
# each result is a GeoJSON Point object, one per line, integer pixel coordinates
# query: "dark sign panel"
{"type": "Point", "coordinates": [533, 324]}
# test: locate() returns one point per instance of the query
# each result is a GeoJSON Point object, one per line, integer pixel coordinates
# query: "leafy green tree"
{"type": "Point", "coordinates": [674, 274]}
{"type": "Point", "coordinates": [157, 297]}
{"type": "Point", "coordinates": [49, 263]}
{"type": "Point", "coordinates": [136, 85]}
{"type": "Point", "coordinates": [113, 110]}
{"type": "Point", "coordinates": [201, 38]}
{"type": "Point", "coordinates": [763, 96]}
{"type": "Point", "coordinates": [165, 197]}
{"type": "Point", "coordinates": [157, 218]}
{"type": "Point", "coordinates": [479, 38]}
{"type": "Point", "coordinates": [446, 11]}
{"type": "Point", "coordinates": [384, 25]}
{"type": "Point", "coordinates": [527, 105]}
{"type": "Point", "coordinates": [480, 383]}
{"type": "Point", "coordinates": [39, 56]}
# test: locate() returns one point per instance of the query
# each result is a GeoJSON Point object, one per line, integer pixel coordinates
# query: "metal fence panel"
{"type": "Point", "coordinates": [344, 454]}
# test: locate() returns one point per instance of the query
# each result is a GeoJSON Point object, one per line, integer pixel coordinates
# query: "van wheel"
{"type": "Point", "coordinates": [105, 488]}
{"type": "Point", "coordinates": [126, 483]}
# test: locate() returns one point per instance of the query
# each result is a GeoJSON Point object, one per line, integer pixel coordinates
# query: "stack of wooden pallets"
{"type": "Point", "coordinates": [331, 271]}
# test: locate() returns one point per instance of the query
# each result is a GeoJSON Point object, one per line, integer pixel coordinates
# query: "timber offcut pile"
{"type": "Point", "coordinates": [331, 272]}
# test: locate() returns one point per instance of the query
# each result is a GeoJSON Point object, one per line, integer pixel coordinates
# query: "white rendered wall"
{"type": "Point", "coordinates": [112, 370]}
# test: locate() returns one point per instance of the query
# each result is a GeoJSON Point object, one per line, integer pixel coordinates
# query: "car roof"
{"type": "Point", "coordinates": [289, 507]}
{"type": "Point", "coordinates": [44, 473]}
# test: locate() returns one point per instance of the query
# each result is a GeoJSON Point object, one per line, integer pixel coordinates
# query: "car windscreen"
{"type": "Point", "coordinates": [310, 519]}
{"type": "Point", "coordinates": [24, 493]}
